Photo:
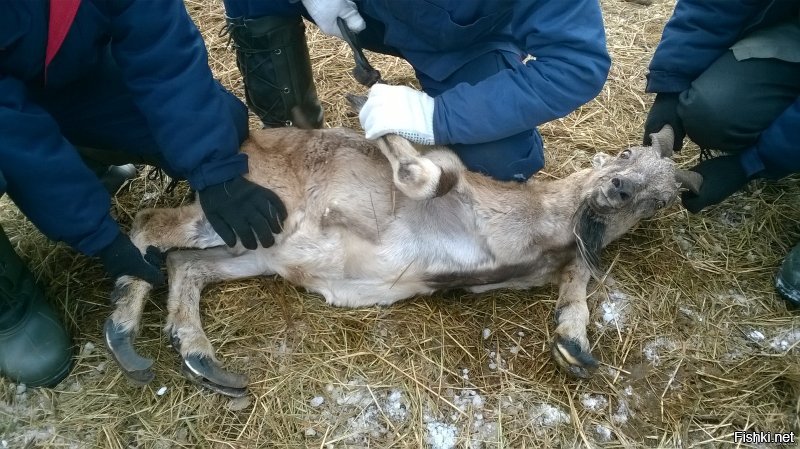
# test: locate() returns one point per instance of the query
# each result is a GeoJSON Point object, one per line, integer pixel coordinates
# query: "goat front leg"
{"type": "Point", "coordinates": [153, 230]}
{"type": "Point", "coordinates": [419, 177]}
{"type": "Point", "coordinates": [190, 271]}
{"type": "Point", "coordinates": [570, 347]}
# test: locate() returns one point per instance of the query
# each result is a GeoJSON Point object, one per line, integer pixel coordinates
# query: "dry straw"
{"type": "Point", "coordinates": [694, 341]}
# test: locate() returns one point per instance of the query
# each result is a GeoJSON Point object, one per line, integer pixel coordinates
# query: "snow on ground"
{"type": "Point", "coordinates": [594, 402]}
{"type": "Point", "coordinates": [656, 348]}
{"type": "Point", "coordinates": [614, 309]}
{"type": "Point", "coordinates": [786, 340]}
{"type": "Point", "coordinates": [547, 415]}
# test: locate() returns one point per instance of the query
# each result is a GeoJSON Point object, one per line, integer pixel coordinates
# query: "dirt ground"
{"type": "Point", "coordinates": [695, 344]}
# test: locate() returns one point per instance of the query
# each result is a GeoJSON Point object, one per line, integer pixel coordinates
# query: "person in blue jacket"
{"type": "Point", "coordinates": [482, 94]}
{"type": "Point", "coordinates": [727, 75]}
{"type": "Point", "coordinates": [124, 79]}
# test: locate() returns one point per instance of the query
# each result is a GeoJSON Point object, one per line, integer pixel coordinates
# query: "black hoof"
{"type": "Point", "coordinates": [135, 367]}
{"type": "Point", "coordinates": [207, 373]}
{"type": "Point", "coordinates": [569, 356]}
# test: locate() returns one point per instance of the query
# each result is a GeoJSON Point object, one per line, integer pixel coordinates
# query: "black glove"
{"type": "Point", "coordinates": [242, 208]}
{"type": "Point", "coordinates": [121, 258]}
{"type": "Point", "coordinates": [722, 177]}
{"type": "Point", "coordinates": [664, 112]}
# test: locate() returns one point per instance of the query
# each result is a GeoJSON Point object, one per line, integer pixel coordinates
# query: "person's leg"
{"type": "Point", "coordinates": [98, 115]}
{"type": "Point", "coordinates": [514, 158]}
{"type": "Point", "coordinates": [272, 56]}
{"type": "Point", "coordinates": [733, 102]}
{"type": "Point", "coordinates": [35, 348]}
{"type": "Point", "coordinates": [727, 108]}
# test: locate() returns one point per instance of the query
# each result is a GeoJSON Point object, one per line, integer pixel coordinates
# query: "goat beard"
{"type": "Point", "coordinates": [590, 230]}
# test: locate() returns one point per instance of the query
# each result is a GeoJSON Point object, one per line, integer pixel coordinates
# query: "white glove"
{"type": "Point", "coordinates": [325, 12]}
{"type": "Point", "coordinates": [398, 110]}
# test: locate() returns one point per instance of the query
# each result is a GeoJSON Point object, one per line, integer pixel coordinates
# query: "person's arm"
{"type": "Point", "coordinates": [567, 39]}
{"type": "Point", "coordinates": [777, 151]}
{"type": "Point", "coordinates": [696, 35]}
{"type": "Point", "coordinates": [165, 65]}
{"type": "Point", "coordinates": [46, 177]}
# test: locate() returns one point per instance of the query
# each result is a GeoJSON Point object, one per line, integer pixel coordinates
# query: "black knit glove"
{"type": "Point", "coordinates": [664, 112]}
{"type": "Point", "coordinates": [722, 177]}
{"type": "Point", "coordinates": [240, 208]}
{"type": "Point", "coordinates": [122, 258]}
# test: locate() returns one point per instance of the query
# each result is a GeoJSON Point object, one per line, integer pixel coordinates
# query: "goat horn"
{"type": "Point", "coordinates": [664, 140]}
{"type": "Point", "coordinates": [689, 179]}
{"type": "Point", "coordinates": [356, 102]}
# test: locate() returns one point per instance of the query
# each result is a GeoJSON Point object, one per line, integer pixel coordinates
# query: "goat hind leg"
{"type": "Point", "coordinates": [570, 347]}
{"type": "Point", "coordinates": [189, 272]}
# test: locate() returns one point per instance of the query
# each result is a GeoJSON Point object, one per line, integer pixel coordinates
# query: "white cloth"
{"type": "Point", "coordinates": [325, 12]}
{"type": "Point", "coordinates": [398, 110]}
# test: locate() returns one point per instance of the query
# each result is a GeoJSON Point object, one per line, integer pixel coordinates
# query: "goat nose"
{"type": "Point", "coordinates": [623, 189]}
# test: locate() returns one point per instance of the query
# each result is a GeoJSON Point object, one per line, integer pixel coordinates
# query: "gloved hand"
{"type": "Point", "coordinates": [240, 208]}
{"type": "Point", "coordinates": [325, 12]}
{"type": "Point", "coordinates": [664, 112]}
{"type": "Point", "coordinates": [722, 177]}
{"type": "Point", "coordinates": [122, 258]}
{"type": "Point", "coordinates": [398, 110]}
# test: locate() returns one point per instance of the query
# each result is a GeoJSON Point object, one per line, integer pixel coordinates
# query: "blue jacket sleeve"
{"type": "Point", "coordinates": [776, 153]}
{"type": "Point", "coordinates": [696, 35]}
{"type": "Point", "coordinates": [567, 39]}
{"type": "Point", "coordinates": [46, 177]}
{"type": "Point", "coordinates": [165, 65]}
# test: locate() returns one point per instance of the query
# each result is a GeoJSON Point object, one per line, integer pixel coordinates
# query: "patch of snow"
{"type": "Point", "coordinates": [786, 341]}
{"type": "Point", "coordinates": [87, 349]}
{"type": "Point", "coordinates": [603, 433]}
{"type": "Point", "coordinates": [514, 349]}
{"type": "Point", "coordinates": [370, 412]}
{"type": "Point", "coordinates": [614, 309]}
{"type": "Point", "coordinates": [622, 414]}
{"type": "Point", "coordinates": [691, 313]}
{"type": "Point", "coordinates": [756, 336]}
{"type": "Point", "coordinates": [655, 348]}
{"type": "Point", "coordinates": [594, 402]}
{"type": "Point", "coordinates": [161, 391]}
{"type": "Point", "coordinates": [440, 435]}
{"type": "Point", "coordinates": [486, 333]}
{"type": "Point", "coordinates": [547, 415]}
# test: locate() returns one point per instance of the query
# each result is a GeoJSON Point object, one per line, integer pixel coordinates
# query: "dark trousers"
{"type": "Point", "coordinates": [515, 157]}
{"type": "Point", "coordinates": [98, 115]}
{"type": "Point", "coordinates": [733, 102]}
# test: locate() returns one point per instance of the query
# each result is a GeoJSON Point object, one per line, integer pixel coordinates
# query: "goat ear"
{"type": "Point", "coordinates": [663, 141]}
{"type": "Point", "coordinates": [600, 159]}
{"type": "Point", "coordinates": [356, 102]}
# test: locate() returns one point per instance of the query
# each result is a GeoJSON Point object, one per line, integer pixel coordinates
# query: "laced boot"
{"type": "Point", "coordinates": [272, 56]}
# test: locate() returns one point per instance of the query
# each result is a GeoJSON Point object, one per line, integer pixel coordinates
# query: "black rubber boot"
{"type": "Point", "coordinates": [787, 282]}
{"type": "Point", "coordinates": [115, 176]}
{"type": "Point", "coordinates": [272, 55]}
{"type": "Point", "coordinates": [34, 346]}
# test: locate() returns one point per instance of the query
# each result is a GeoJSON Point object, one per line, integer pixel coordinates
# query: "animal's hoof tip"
{"type": "Point", "coordinates": [568, 355]}
{"type": "Point", "coordinates": [120, 343]}
{"type": "Point", "coordinates": [207, 373]}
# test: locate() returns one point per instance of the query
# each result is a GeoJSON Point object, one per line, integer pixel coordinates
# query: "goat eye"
{"type": "Point", "coordinates": [660, 204]}
{"type": "Point", "coordinates": [625, 154]}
